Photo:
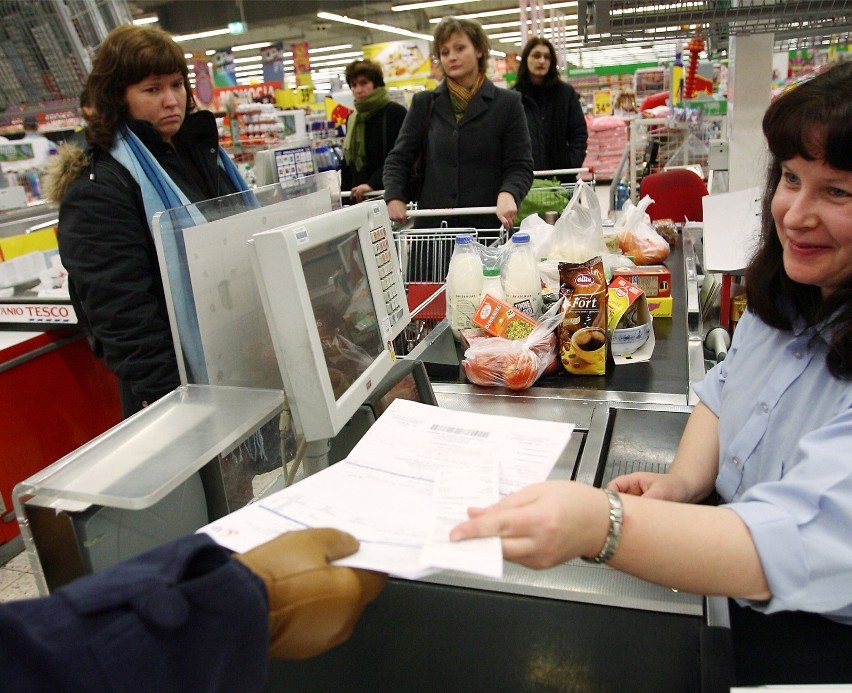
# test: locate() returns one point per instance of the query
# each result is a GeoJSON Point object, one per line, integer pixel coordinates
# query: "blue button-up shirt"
{"type": "Point", "coordinates": [785, 463]}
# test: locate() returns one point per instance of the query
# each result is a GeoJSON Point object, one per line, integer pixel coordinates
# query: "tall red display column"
{"type": "Point", "coordinates": [55, 395]}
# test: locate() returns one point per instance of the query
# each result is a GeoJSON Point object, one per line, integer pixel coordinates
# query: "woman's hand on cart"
{"type": "Point", "coordinates": [398, 211]}
{"type": "Point", "coordinates": [507, 209]}
{"type": "Point", "coordinates": [361, 192]}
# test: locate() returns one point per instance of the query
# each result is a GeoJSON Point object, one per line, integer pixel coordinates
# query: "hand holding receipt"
{"type": "Point", "coordinates": [406, 483]}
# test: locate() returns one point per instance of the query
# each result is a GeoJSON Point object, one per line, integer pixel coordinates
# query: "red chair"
{"type": "Point", "coordinates": [676, 193]}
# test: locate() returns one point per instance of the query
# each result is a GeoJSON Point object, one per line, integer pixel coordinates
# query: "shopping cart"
{"type": "Point", "coordinates": [424, 258]}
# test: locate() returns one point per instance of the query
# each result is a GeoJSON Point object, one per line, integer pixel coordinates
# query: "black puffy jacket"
{"type": "Point", "coordinates": [108, 249]}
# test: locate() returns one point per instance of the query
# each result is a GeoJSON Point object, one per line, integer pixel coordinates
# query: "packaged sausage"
{"type": "Point", "coordinates": [582, 331]}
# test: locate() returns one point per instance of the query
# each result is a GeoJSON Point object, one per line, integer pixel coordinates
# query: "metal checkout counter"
{"type": "Point", "coordinates": [577, 626]}
{"type": "Point", "coordinates": [574, 627]}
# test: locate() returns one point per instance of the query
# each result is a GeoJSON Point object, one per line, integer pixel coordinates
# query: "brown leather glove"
{"type": "Point", "coordinates": [313, 606]}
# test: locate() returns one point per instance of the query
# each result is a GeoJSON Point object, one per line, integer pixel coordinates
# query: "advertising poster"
{"type": "Point", "coordinates": [336, 112]}
{"type": "Point", "coordinates": [203, 80]}
{"type": "Point", "coordinates": [403, 62]}
{"type": "Point", "coordinates": [224, 74]}
{"type": "Point", "coordinates": [273, 63]}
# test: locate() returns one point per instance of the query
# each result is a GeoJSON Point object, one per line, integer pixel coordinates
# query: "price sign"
{"type": "Point", "coordinates": [305, 96]}
{"type": "Point", "coordinates": [603, 103]}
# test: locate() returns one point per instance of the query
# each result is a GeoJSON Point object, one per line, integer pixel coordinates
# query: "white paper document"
{"type": "Point", "coordinates": [731, 229]}
{"type": "Point", "coordinates": [406, 483]}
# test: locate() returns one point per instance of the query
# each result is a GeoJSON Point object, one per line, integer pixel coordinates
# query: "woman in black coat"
{"type": "Point", "coordinates": [149, 150]}
{"type": "Point", "coordinates": [555, 117]}
{"type": "Point", "coordinates": [473, 134]}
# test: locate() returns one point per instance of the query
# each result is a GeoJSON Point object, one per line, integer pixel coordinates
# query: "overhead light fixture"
{"type": "Point", "coordinates": [387, 28]}
{"type": "Point", "coordinates": [201, 34]}
{"type": "Point", "coordinates": [250, 46]}
{"type": "Point", "coordinates": [151, 19]}
{"type": "Point", "coordinates": [512, 11]}
{"type": "Point", "coordinates": [427, 3]}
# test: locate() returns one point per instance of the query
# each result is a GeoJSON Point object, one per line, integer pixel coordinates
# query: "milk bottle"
{"type": "Point", "coordinates": [492, 284]}
{"type": "Point", "coordinates": [464, 284]}
{"type": "Point", "coordinates": [521, 282]}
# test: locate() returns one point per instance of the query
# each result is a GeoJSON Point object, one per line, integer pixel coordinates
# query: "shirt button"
{"type": "Point", "coordinates": [765, 408]}
{"type": "Point", "coordinates": [798, 353]}
{"type": "Point", "coordinates": [736, 461]}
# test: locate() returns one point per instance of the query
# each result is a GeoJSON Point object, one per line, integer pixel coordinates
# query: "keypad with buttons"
{"type": "Point", "coordinates": [391, 289]}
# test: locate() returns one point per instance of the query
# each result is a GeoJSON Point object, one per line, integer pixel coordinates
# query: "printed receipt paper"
{"type": "Point", "coordinates": [406, 483]}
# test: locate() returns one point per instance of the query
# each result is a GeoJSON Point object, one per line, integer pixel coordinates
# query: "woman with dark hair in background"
{"type": "Point", "coordinates": [476, 147]}
{"type": "Point", "coordinates": [558, 132]}
{"type": "Point", "coordinates": [149, 150]}
{"type": "Point", "coordinates": [370, 131]}
{"type": "Point", "coordinates": [772, 434]}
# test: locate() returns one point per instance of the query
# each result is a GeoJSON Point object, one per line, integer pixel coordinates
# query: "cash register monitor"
{"type": "Point", "coordinates": [333, 295]}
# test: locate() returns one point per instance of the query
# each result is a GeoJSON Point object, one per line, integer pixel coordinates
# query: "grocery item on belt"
{"type": "Point", "coordinates": [582, 331]}
{"type": "Point", "coordinates": [667, 229]}
{"type": "Point", "coordinates": [515, 363]}
{"type": "Point", "coordinates": [502, 320]}
{"type": "Point", "coordinates": [637, 237]}
{"type": "Point", "coordinates": [630, 323]}
{"type": "Point", "coordinates": [654, 280]}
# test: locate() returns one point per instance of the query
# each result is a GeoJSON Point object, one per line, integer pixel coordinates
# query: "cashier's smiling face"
{"type": "Point", "coordinates": [812, 209]}
{"type": "Point", "coordinates": [159, 99]}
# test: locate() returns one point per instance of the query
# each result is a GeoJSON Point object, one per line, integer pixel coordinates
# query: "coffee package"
{"type": "Point", "coordinates": [582, 332]}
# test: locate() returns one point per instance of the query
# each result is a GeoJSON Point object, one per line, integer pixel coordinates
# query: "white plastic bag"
{"type": "Point", "coordinates": [578, 233]}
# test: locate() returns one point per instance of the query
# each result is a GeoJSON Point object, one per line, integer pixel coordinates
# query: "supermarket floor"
{"type": "Point", "coordinates": [17, 580]}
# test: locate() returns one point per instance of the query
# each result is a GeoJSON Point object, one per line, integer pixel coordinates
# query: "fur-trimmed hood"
{"type": "Point", "coordinates": [63, 169]}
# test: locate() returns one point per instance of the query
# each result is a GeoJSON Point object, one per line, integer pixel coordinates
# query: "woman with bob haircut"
{"type": "Point", "coordinates": [149, 150]}
{"type": "Point", "coordinates": [558, 132]}
{"type": "Point", "coordinates": [370, 131]}
{"type": "Point", "coordinates": [473, 136]}
{"type": "Point", "coordinates": [771, 435]}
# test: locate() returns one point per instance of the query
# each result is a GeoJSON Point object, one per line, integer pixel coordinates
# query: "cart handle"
{"type": "Point", "coordinates": [564, 171]}
{"type": "Point", "coordinates": [450, 211]}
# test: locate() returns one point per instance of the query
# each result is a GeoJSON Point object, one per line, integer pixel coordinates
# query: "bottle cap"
{"type": "Point", "coordinates": [490, 271]}
{"type": "Point", "coordinates": [521, 238]}
{"type": "Point", "coordinates": [464, 239]}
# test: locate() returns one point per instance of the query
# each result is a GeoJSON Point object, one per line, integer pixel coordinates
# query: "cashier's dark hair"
{"type": "Point", "coordinates": [813, 120]}
{"type": "Point", "coordinates": [474, 31]}
{"type": "Point", "coordinates": [128, 55]}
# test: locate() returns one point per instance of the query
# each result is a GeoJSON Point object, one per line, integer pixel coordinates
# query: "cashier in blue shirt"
{"type": "Point", "coordinates": [772, 434]}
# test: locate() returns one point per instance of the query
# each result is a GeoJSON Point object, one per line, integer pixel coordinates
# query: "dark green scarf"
{"type": "Point", "coordinates": [354, 145]}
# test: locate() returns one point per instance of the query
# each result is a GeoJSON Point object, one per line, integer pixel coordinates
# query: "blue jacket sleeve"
{"type": "Point", "coordinates": [182, 617]}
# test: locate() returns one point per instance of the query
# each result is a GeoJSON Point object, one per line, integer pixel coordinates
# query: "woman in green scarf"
{"type": "Point", "coordinates": [370, 131]}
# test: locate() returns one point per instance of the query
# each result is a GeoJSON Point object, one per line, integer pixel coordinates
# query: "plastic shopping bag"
{"type": "Point", "coordinates": [637, 237]}
{"type": "Point", "coordinates": [578, 233]}
{"type": "Point", "coordinates": [515, 363]}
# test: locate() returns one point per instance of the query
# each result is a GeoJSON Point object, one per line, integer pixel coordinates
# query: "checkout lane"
{"type": "Point", "coordinates": [575, 626]}
{"type": "Point", "coordinates": [533, 623]}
